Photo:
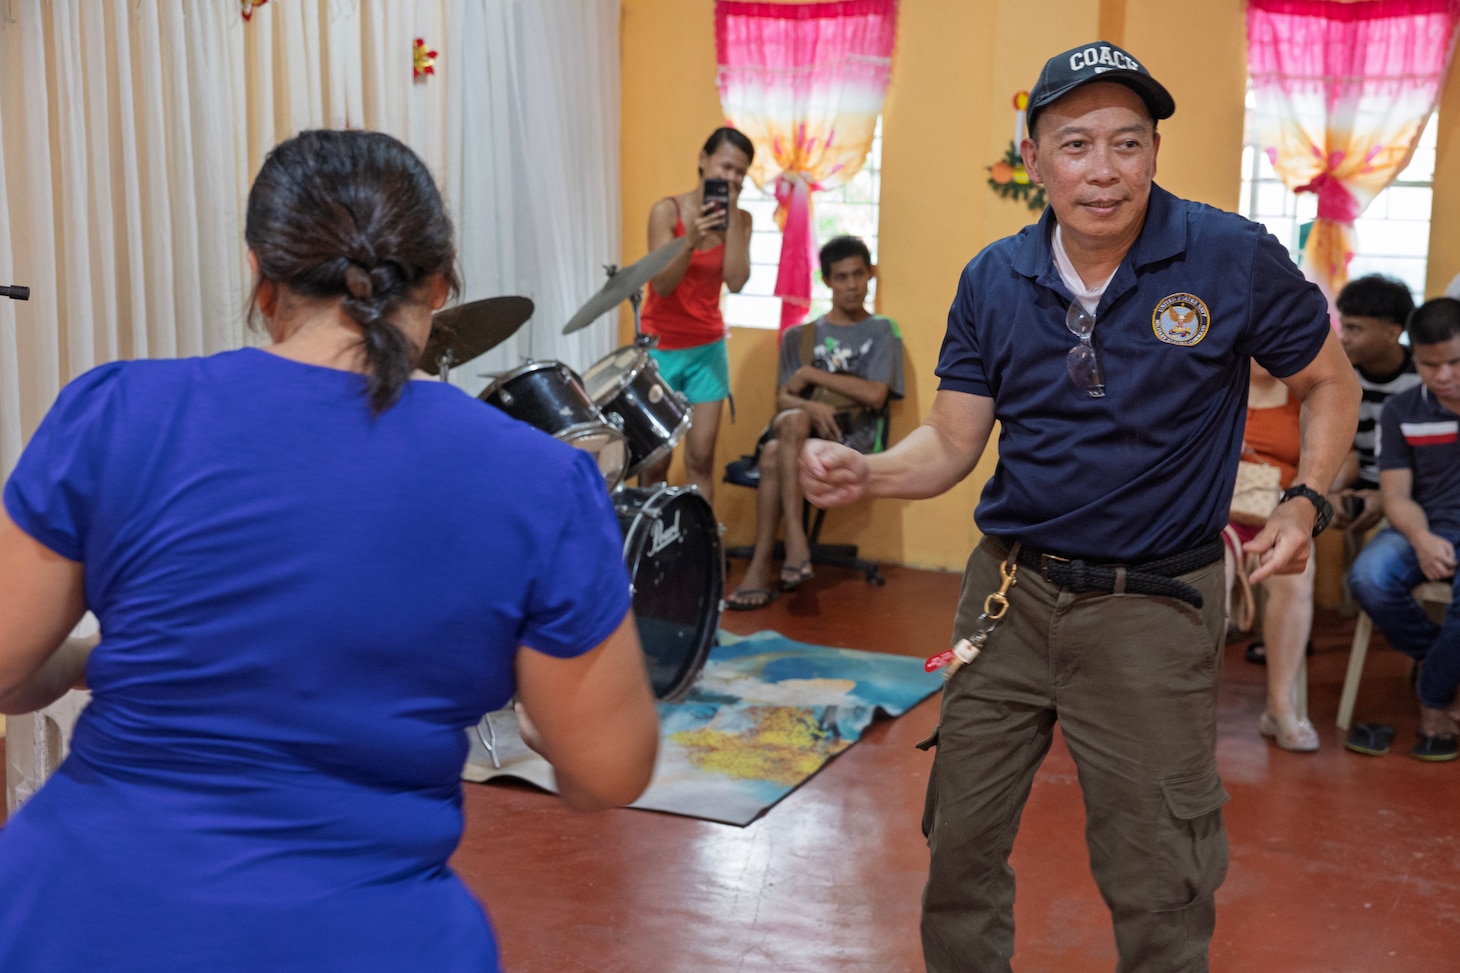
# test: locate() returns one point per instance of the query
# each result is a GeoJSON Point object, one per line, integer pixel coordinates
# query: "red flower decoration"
{"type": "Point", "coordinates": [249, 5]}
{"type": "Point", "coordinates": [425, 59]}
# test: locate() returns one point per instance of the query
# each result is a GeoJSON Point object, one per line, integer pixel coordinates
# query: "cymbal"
{"type": "Point", "coordinates": [624, 284]}
{"type": "Point", "coordinates": [469, 330]}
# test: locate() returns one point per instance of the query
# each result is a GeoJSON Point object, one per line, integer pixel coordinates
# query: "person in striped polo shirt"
{"type": "Point", "coordinates": [1372, 312]}
{"type": "Point", "coordinates": [1419, 476]}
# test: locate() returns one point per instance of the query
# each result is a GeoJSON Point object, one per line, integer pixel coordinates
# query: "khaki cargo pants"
{"type": "Point", "coordinates": [1132, 680]}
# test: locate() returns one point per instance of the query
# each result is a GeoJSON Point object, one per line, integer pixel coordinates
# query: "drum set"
{"type": "Point", "coordinates": [623, 413]}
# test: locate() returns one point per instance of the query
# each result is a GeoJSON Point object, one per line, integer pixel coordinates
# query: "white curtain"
{"type": "Point", "coordinates": [121, 192]}
{"type": "Point", "coordinates": [132, 129]}
{"type": "Point", "coordinates": [531, 168]}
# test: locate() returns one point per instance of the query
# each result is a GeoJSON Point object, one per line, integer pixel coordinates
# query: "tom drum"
{"type": "Point", "coordinates": [627, 386]}
{"type": "Point", "coordinates": [549, 395]}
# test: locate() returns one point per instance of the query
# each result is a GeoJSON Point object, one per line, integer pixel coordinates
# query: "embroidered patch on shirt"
{"type": "Point", "coordinates": [1181, 319]}
{"type": "Point", "coordinates": [1430, 433]}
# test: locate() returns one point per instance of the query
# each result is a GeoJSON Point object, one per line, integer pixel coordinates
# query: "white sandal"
{"type": "Point", "coordinates": [1301, 737]}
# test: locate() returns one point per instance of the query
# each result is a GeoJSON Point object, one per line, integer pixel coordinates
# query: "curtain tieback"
{"type": "Point", "coordinates": [789, 183]}
{"type": "Point", "coordinates": [798, 244]}
{"type": "Point", "coordinates": [1334, 201]}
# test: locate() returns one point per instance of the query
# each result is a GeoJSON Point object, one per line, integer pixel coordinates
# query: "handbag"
{"type": "Point", "coordinates": [1257, 492]}
{"type": "Point", "coordinates": [1241, 601]}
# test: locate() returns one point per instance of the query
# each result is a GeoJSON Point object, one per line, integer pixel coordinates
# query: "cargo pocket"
{"type": "Point", "coordinates": [1194, 844]}
{"type": "Point", "coordinates": [930, 801]}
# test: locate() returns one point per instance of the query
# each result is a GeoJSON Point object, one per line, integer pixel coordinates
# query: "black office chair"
{"type": "Point", "coordinates": [745, 472]}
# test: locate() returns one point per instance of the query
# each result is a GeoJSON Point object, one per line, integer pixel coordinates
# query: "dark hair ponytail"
{"type": "Point", "coordinates": [354, 215]}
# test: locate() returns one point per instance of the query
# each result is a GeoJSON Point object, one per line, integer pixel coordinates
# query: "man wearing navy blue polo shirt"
{"type": "Point", "coordinates": [1419, 475]}
{"type": "Point", "coordinates": [1111, 341]}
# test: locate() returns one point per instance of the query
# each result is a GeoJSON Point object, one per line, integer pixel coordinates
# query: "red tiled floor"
{"type": "Point", "coordinates": [1340, 863]}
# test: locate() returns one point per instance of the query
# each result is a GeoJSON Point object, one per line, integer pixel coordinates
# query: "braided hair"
{"type": "Point", "coordinates": [355, 215]}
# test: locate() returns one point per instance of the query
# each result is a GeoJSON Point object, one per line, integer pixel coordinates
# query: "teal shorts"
{"type": "Point", "coordinates": [702, 373]}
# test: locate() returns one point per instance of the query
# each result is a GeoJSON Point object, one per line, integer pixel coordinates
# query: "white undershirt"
{"type": "Point", "coordinates": [1088, 296]}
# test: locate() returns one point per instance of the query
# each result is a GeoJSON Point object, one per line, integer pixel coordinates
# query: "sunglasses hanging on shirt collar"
{"type": "Point", "coordinates": [1083, 362]}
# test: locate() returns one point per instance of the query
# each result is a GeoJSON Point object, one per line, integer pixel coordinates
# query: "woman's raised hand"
{"type": "Point", "coordinates": [710, 220]}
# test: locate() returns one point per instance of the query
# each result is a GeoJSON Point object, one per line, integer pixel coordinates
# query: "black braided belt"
{"type": "Point", "coordinates": [1157, 577]}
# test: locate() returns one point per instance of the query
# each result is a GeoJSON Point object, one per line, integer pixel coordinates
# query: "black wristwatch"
{"type": "Point", "coordinates": [1319, 501]}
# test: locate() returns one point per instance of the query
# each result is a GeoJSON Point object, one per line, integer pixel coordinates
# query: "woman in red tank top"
{"type": "Point", "coordinates": [682, 306]}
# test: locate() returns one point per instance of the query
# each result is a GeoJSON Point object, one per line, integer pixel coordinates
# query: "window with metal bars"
{"type": "Point", "coordinates": [850, 209]}
{"type": "Point", "coordinates": [1393, 232]}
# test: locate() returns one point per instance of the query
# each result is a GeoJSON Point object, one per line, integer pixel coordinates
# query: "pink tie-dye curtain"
{"type": "Point", "coordinates": [806, 83]}
{"type": "Point", "coordinates": [1342, 92]}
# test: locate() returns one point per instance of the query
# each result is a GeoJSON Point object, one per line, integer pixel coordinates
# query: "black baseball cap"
{"type": "Point", "coordinates": [1097, 61]}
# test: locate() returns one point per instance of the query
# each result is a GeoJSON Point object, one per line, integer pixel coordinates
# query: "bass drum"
{"type": "Point", "coordinates": [672, 547]}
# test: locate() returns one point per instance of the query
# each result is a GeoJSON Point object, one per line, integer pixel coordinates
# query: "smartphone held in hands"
{"type": "Point", "coordinates": [717, 191]}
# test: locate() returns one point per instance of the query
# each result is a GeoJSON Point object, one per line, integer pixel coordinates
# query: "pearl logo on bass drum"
{"type": "Point", "coordinates": [676, 574]}
{"type": "Point", "coordinates": [661, 537]}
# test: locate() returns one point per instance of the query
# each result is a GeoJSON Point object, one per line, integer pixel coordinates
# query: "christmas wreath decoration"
{"type": "Point", "coordinates": [1008, 177]}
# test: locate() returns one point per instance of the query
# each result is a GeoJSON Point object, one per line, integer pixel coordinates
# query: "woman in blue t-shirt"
{"type": "Point", "coordinates": [313, 573]}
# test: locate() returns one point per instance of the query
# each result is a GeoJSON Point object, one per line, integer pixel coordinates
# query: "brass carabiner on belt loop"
{"type": "Point", "coordinates": [997, 603]}
{"type": "Point", "coordinates": [994, 606]}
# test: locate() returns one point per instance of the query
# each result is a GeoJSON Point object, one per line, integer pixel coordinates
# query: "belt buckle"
{"type": "Point", "coordinates": [1044, 560]}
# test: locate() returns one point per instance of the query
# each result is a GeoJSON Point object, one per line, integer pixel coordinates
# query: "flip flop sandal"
{"type": "Point", "coordinates": [751, 599]}
{"type": "Point", "coordinates": [1436, 747]}
{"type": "Point", "coordinates": [793, 577]}
{"type": "Point", "coordinates": [1371, 739]}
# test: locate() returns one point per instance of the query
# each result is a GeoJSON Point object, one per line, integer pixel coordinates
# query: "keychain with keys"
{"type": "Point", "coordinates": [966, 649]}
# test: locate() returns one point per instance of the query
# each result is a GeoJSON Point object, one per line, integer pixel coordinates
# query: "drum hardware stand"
{"type": "Point", "coordinates": [444, 363]}
{"type": "Point", "coordinates": [636, 299]}
{"type": "Point", "coordinates": [489, 740]}
{"type": "Point", "coordinates": [529, 343]}
{"type": "Point", "coordinates": [640, 338]}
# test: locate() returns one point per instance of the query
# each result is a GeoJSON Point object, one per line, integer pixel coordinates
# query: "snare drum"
{"type": "Point", "coordinates": [672, 547]}
{"type": "Point", "coordinates": [549, 395]}
{"type": "Point", "coordinates": [628, 388]}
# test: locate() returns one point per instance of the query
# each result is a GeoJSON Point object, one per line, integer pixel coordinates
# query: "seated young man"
{"type": "Point", "coordinates": [1372, 311]}
{"type": "Point", "coordinates": [836, 374]}
{"type": "Point", "coordinates": [1419, 474]}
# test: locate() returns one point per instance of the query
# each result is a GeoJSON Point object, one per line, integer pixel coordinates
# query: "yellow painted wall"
{"type": "Point", "coordinates": [1445, 217]}
{"type": "Point", "coordinates": [947, 117]}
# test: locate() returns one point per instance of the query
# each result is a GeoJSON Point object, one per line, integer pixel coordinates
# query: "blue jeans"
{"type": "Point", "coordinates": [1383, 575]}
